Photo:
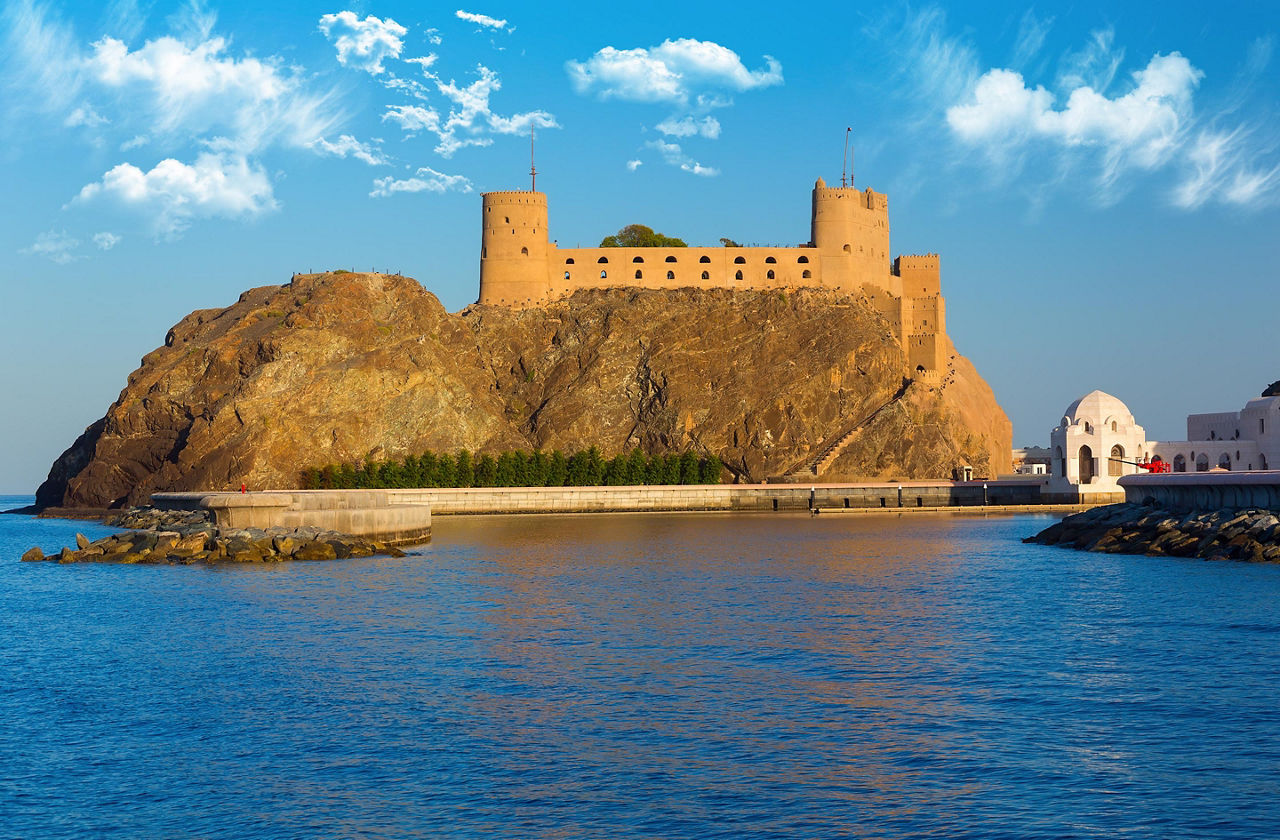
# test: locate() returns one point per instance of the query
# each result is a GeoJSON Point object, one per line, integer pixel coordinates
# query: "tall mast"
{"type": "Point", "coordinates": [844, 171]}
{"type": "Point", "coordinates": [533, 170]}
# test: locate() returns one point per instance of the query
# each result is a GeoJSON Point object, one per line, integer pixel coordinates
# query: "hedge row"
{"type": "Point", "coordinates": [517, 469]}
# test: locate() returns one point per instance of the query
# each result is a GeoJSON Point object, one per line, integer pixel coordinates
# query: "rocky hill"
{"type": "Point", "coordinates": [343, 366]}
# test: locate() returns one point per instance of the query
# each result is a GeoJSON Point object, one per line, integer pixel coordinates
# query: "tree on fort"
{"type": "Point", "coordinates": [640, 236]}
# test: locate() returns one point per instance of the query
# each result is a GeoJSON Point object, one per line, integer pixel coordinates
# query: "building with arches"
{"type": "Point", "coordinates": [1097, 435]}
{"type": "Point", "coordinates": [848, 251]}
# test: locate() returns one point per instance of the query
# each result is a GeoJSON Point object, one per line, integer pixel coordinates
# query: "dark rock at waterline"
{"type": "Point", "coordinates": [185, 537]}
{"type": "Point", "coordinates": [1250, 534]}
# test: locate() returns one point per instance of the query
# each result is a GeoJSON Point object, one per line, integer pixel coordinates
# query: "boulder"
{"type": "Point", "coordinates": [33, 555]}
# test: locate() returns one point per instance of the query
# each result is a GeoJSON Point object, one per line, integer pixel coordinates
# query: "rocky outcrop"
{"type": "Point", "coordinates": [344, 367]}
{"type": "Point", "coordinates": [186, 537]}
{"type": "Point", "coordinates": [1226, 534]}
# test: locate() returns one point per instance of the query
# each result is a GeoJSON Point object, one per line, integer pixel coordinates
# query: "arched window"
{"type": "Point", "coordinates": [847, 249]}
{"type": "Point", "coordinates": [739, 260]}
{"type": "Point", "coordinates": [1179, 463]}
{"type": "Point", "coordinates": [706, 275]}
{"type": "Point", "coordinates": [1113, 425]}
{"type": "Point", "coordinates": [639, 274]}
{"type": "Point", "coordinates": [603, 274]}
{"type": "Point", "coordinates": [506, 220]}
{"type": "Point", "coordinates": [737, 275]}
{"type": "Point", "coordinates": [1114, 464]}
{"type": "Point", "coordinates": [1085, 465]}
{"type": "Point", "coordinates": [1088, 428]}
{"type": "Point", "coordinates": [569, 261]}
{"type": "Point", "coordinates": [806, 274]}
{"type": "Point", "coordinates": [671, 259]}
{"type": "Point", "coordinates": [484, 252]}
{"type": "Point", "coordinates": [671, 275]}
{"type": "Point", "coordinates": [770, 260]}
{"type": "Point", "coordinates": [566, 275]}
{"type": "Point", "coordinates": [1202, 462]}
{"type": "Point", "coordinates": [704, 259]}
{"type": "Point", "coordinates": [803, 259]}
{"type": "Point", "coordinates": [1224, 460]}
{"type": "Point", "coordinates": [638, 259]}
{"type": "Point", "coordinates": [769, 275]}
{"type": "Point", "coordinates": [1264, 463]}
{"type": "Point", "coordinates": [1262, 425]}
{"type": "Point", "coordinates": [1213, 435]}
{"type": "Point", "coordinates": [524, 252]}
{"type": "Point", "coordinates": [603, 260]}
{"type": "Point", "coordinates": [1060, 461]}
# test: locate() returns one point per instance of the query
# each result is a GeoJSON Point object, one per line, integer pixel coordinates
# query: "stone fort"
{"type": "Point", "coordinates": [848, 251]}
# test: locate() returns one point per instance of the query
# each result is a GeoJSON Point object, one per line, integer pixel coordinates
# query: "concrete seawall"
{"type": "Point", "coordinates": [1206, 490]}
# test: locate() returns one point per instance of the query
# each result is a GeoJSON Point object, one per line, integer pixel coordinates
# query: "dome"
{"type": "Point", "coordinates": [1098, 407]}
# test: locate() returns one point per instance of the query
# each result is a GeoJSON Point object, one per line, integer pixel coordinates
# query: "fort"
{"type": "Point", "coordinates": [848, 251]}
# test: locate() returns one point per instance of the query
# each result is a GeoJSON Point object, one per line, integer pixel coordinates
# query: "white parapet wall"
{"type": "Point", "coordinates": [1205, 490]}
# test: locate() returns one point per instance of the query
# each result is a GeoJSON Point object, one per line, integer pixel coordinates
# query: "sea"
{"type": "Point", "coordinates": [646, 676]}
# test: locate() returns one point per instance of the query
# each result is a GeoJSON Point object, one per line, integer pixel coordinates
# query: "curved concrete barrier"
{"type": "Point", "coordinates": [1206, 490]}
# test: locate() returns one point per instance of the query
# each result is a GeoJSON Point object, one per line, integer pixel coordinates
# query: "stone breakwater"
{"type": "Point", "coordinates": [185, 537]}
{"type": "Point", "coordinates": [1228, 534]}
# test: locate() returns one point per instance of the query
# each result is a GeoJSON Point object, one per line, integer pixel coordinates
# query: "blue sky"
{"type": "Point", "coordinates": [1102, 180]}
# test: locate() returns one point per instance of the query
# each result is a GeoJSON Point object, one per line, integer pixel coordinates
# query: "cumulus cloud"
{"type": "Point", "coordinates": [174, 193]}
{"type": "Point", "coordinates": [425, 179]}
{"type": "Point", "coordinates": [106, 240]}
{"type": "Point", "coordinates": [56, 245]}
{"type": "Point", "coordinates": [674, 72]}
{"type": "Point", "coordinates": [675, 156]}
{"type": "Point", "coordinates": [482, 20]}
{"type": "Point", "coordinates": [633, 165]}
{"type": "Point", "coordinates": [348, 146]}
{"type": "Point", "coordinates": [363, 44]}
{"type": "Point", "coordinates": [471, 119]}
{"type": "Point", "coordinates": [708, 127]}
{"type": "Point", "coordinates": [85, 116]}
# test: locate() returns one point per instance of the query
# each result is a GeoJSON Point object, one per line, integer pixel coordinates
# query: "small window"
{"type": "Point", "coordinates": [806, 274]}
{"type": "Point", "coordinates": [671, 259]}
{"type": "Point", "coordinates": [770, 260]}
{"type": "Point", "coordinates": [705, 259]}
{"type": "Point", "coordinates": [639, 274]}
{"type": "Point", "coordinates": [1262, 425]}
{"type": "Point", "coordinates": [737, 275]}
{"type": "Point", "coordinates": [803, 259]}
{"type": "Point", "coordinates": [603, 260]}
{"type": "Point", "coordinates": [706, 275]}
{"type": "Point", "coordinates": [506, 220]}
{"type": "Point", "coordinates": [603, 274]}
{"type": "Point", "coordinates": [566, 275]}
{"type": "Point", "coordinates": [1113, 425]}
{"type": "Point", "coordinates": [769, 275]}
{"type": "Point", "coordinates": [569, 261]}
{"type": "Point", "coordinates": [739, 260]}
{"type": "Point", "coordinates": [524, 252]}
{"type": "Point", "coordinates": [638, 260]}
{"type": "Point", "coordinates": [847, 249]}
{"type": "Point", "coordinates": [671, 275]}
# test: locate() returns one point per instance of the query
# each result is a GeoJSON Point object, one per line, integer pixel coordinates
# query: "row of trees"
{"type": "Point", "coordinates": [517, 469]}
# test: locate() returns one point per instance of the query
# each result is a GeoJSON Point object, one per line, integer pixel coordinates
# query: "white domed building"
{"type": "Point", "coordinates": [1091, 445]}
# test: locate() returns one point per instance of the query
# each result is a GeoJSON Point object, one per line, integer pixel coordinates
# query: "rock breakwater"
{"type": "Point", "coordinates": [186, 537]}
{"type": "Point", "coordinates": [1228, 534]}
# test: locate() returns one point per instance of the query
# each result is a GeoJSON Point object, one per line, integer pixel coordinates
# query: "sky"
{"type": "Point", "coordinates": [1102, 180]}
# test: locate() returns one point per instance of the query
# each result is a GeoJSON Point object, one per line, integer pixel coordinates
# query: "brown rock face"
{"type": "Point", "coordinates": [342, 367]}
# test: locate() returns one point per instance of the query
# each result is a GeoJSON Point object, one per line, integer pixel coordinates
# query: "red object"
{"type": "Point", "coordinates": [242, 489]}
{"type": "Point", "coordinates": [1156, 466]}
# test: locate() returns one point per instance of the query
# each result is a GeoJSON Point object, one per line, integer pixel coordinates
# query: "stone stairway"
{"type": "Point", "coordinates": [814, 467]}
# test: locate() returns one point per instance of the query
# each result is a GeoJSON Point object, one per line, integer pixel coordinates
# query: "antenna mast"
{"type": "Point", "coordinates": [533, 170]}
{"type": "Point", "coordinates": [844, 180]}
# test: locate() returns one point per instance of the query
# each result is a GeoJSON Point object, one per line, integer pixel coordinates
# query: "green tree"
{"type": "Point", "coordinates": [636, 464]}
{"type": "Point", "coordinates": [671, 468]}
{"type": "Point", "coordinates": [446, 472]}
{"type": "Point", "coordinates": [615, 471]}
{"type": "Point", "coordinates": [504, 474]}
{"type": "Point", "coordinates": [688, 468]}
{"type": "Point", "coordinates": [640, 236]}
{"type": "Point", "coordinates": [653, 470]}
{"type": "Point", "coordinates": [486, 471]}
{"type": "Point", "coordinates": [310, 479]}
{"type": "Point", "coordinates": [557, 470]}
{"type": "Point", "coordinates": [576, 472]}
{"type": "Point", "coordinates": [729, 243]}
{"type": "Point", "coordinates": [346, 477]}
{"type": "Point", "coordinates": [710, 469]}
{"type": "Point", "coordinates": [537, 471]}
{"type": "Point", "coordinates": [519, 468]}
{"type": "Point", "coordinates": [595, 467]}
{"type": "Point", "coordinates": [329, 477]}
{"type": "Point", "coordinates": [427, 469]}
{"type": "Point", "coordinates": [464, 474]}
{"type": "Point", "coordinates": [389, 474]}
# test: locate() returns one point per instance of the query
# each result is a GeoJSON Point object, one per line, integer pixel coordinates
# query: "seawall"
{"type": "Point", "coordinates": [1205, 491]}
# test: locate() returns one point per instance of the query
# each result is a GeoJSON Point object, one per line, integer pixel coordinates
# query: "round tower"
{"type": "Point", "coordinates": [513, 248]}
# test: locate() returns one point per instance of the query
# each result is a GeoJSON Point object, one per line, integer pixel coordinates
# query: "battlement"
{"type": "Point", "coordinates": [514, 197]}
{"type": "Point", "coordinates": [916, 262]}
{"type": "Point", "coordinates": [867, 199]}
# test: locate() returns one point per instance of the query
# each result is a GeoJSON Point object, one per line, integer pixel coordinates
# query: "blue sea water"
{"type": "Point", "coordinates": [645, 676]}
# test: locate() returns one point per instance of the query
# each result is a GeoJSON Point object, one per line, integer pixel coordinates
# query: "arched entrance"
{"type": "Point", "coordinates": [1086, 465]}
{"type": "Point", "coordinates": [1115, 464]}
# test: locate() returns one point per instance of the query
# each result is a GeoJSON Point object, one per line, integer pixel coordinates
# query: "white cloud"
{"type": "Point", "coordinates": [482, 20]}
{"type": "Point", "coordinates": [56, 245]}
{"type": "Point", "coordinates": [1142, 128]}
{"type": "Point", "coordinates": [633, 165]}
{"type": "Point", "coordinates": [1219, 170]}
{"type": "Point", "coordinates": [174, 193]}
{"type": "Point", "coordinates": [40, 62]}
{"type": "Point", "coordinates": [348, 146]}
{"type": "Point", "coordinates": [184, 89]}
{"type": "Point", "coordinates": [425, 179]}
{"type": "Point", "coordinates": [106, 240]}
{"type": "Point", "coordinates": [134, 142]}
{"type": "Point", "coordinates": [708, 127]}
{"type": "Point", "coordinates": [471, 119]}
{"type": "Point", "coordinates": [85, 116]}
{"type": "Point", "coordinates": [675, 156]}
{"type": "Point", "coordinates": [363, 44]}
{"type": "Point", "coordinates": [673, 72]}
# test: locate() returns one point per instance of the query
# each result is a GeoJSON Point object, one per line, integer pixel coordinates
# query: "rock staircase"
{"type": "Point", "coordinates": [811, 468]}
